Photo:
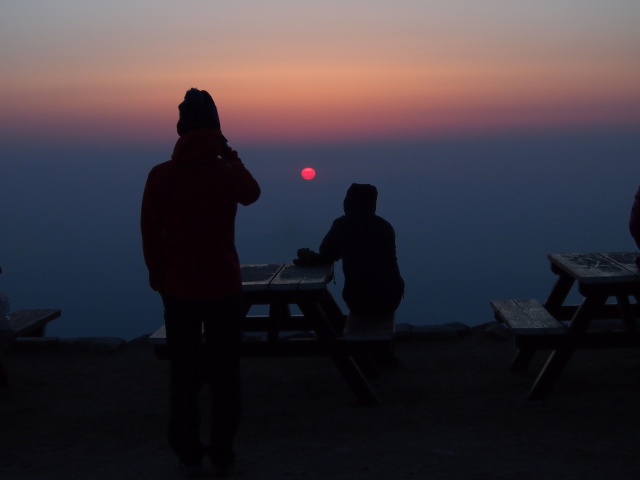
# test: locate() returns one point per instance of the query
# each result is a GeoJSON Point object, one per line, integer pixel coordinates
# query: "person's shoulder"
{"type": "Point", "coordinates": [383, 222]}
{"type": "Point", "coordinates": [160, 173]}
{"type": "Point", "coordinates": [163, 166]}
{"type": "Point", "coordinates": [382, 219]}
{"type": "Point", "coordinates": [341, 220]}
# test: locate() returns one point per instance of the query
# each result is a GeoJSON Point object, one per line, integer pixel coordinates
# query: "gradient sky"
{"type": "Point", "coordinates": [291, 71]}
{"type": "Point", "coordinates": [431, 101]}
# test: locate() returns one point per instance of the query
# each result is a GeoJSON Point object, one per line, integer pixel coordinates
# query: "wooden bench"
{"type": "Point", "coordinates": [374, 331]}
{"type": "Point", "coordinates": [290, 343]}
{"type": "Point", "coordinates": [533, 327]}
{"type": "Point", "coordinates": [526, 318]}
{"type": "Point", "coordinates": [25, 323]}
{"type": "Point", "coordinates": [369, 338]}
{"type": "Point", "coordinates": [371, 328]}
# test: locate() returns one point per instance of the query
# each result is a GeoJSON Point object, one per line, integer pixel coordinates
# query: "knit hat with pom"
{"type": "Point", "coordinates": [197, 111]}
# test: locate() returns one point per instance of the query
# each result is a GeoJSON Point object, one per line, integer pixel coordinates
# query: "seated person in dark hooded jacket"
{"type": "Point", "coordinates": [366, 244]}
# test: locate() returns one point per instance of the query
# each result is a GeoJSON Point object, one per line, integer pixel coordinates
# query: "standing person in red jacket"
{"type": "Point", "coordinates": [188, 227]}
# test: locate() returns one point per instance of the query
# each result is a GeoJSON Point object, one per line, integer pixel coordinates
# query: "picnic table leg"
{"type": "Point", "coordinates": [277, 313]}
{"type": "Point", "coordinates": [559, 293]}
{"type": "Point", "coordinates": [550, 373]}
{"type": "Point", "coordinates": [559, 358]}
{"type": "Point", "coordinates": [626, 313]}
{"type": "Point", "coordinates": [353, 376]}
{"type": "Point", "coordinates": [554, 301]}
{"type": "Point", "coordinates": [332, 311]}
{"type": "Point", "coordinates": [521, 360]}
{"type": "Point", "coordinates": [340, 356]}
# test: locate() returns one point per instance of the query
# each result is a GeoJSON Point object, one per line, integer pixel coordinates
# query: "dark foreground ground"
{"type": "Point", "coordinates": [450, 410]}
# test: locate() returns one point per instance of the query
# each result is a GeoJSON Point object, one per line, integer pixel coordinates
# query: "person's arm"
{"type": "Point", "coordinates": [151, 229]}
{"type": "Point", "coordinates": [246, 187]}
{"type": "Point", "coordinates": [329, 250]}
{"type": "Point", "coordinates": [330, 246]}
{"type": "Point", "coordinates": [634, 219]}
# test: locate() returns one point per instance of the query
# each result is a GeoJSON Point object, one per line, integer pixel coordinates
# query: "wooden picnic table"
{"type": "Point", "coordinates": [605, 317]}
{"type": "Point", "coordinates": [279, 286]}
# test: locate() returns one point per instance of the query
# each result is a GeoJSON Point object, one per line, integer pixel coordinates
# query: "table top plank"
{"type": "Point", "coordinates": [258, 276]}
{"type": "Point", "coordinates": [593, 268]}
{"type": "Point", "coordinates": [293, 277]}
{"type": "Point", "coordinates": [626, 260]}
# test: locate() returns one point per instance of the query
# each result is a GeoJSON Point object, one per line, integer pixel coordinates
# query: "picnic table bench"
{"type": "Point", "coordinates": [531, 324]}
{"type": "Point", "coordinates": [25, 323]}
{"type": "Point", "coordinates": [296, 336]}
{"type": "Point", "coordinates": [369, 338]}
{"type": "Point", "coordinates": [370, 328]}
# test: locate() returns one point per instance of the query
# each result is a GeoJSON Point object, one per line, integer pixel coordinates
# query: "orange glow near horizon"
{"type": "Point", "coordinates": [297, 105]}
{"type": "Point", "coordinates": [337, 104]}
{"type": "Point", "coordinates": [380, 72]}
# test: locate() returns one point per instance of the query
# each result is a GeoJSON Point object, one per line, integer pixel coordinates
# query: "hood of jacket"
{"type": "Point", "coordinates": [198, 146]}
{"type": "Point", "coordinates": [361, 199]}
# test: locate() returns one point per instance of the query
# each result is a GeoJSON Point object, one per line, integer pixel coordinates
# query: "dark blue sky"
{"type": "Point", "coordinates": [474, 218]}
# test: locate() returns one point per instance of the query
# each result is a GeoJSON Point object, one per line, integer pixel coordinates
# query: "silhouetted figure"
{"type": "Point", "coordinates": [188, 226]}
{"type": "Point", "coordinates": [634, 219]}
{"type": "Point", "coordinates": [5, 308]}
{"type": "Point", "coordinates": [366, 245]}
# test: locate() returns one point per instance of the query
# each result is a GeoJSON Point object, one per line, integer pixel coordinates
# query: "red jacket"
{"type": "Point", "coordinates": [188, 218]}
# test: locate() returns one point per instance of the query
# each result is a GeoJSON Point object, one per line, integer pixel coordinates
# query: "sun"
{"type": "Point", "coordinates": [308, 173]}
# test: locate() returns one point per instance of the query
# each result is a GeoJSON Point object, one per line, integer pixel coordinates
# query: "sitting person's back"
{"type": "Point", "coordinates": [366, 244]}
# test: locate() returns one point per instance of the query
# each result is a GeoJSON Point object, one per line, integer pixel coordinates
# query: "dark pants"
{"type": "Point", "coordinates": [194, 363]}
{"type": "Point", "coordinates": [365, 301]}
